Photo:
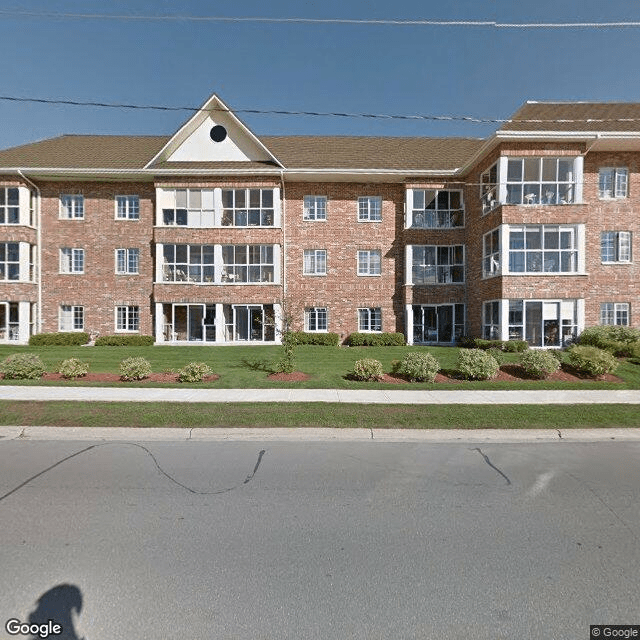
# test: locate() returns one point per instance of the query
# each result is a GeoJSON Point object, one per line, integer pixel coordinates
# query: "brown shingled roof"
{"type": "Point", "coordinates": [576, 116]}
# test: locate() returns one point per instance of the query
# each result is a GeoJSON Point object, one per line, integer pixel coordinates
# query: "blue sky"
{"type": "Point", "coordinates": [476, 71]}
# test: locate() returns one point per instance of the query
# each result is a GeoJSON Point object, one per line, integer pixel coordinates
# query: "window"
{"type": "Point", "coordinates": [247, 208]}
{"type": "Point", "coordinates": [433, 209]}
{"type": "Point", "coordinates": [128, 207]}
{"type": "Point", "coordinates": [370, 319]}
{"type": "Point", "coordinates": [9, 261]}
{"type": "Point", "coordinates": [491, 253]}
{"type": "Point", "coordinates": [543, 323]}
{"type": "Point", "coordinates": [369, 209]}
{"type": "Point", "coordinates": [72, 207]}
{"type": "Point", "coordinates": [437, 265]}
{"type": "Point", "coordinates": [615, 246]}
{"type": "Point", "coordinates": [127, 261]}
{"type": "Point", "coordinates": [491, 320]}
{"type": "Point", "coordinates": [127, 318]}
{"type": "Point", "coordinates": [314, 262]}
{"type": "Point", "coordinates": [187, 263]}
{"type": "Point", "coordinates": [614, 313]}
{"type": "Point", "coordinates": [247, 263]}
{"type": "Point", "coordinates": [613, 183]}
{"type": "Point", "coordinates": [540, 181]}
{"type": "Point", "coordinates": [315, 319]}
{"type": "Point", "coordinates": [71, 260]}
{"type": "Point", "coordinates": [489, 188]}
{"type": "Point", "coordinates": [71, 318]}
{"type": "Point", "coordinates": [191, 207]}
{"type": "Point", "coordinates": [315, 208]}
{"type": "Point", "coordinates": [543, 249]}
{"type": "Point", "coordinates": [435, 323]}
{"type": "Point", "coordinates": [369, 263]}
{"type": "Point", "coordinates": [9, 205]}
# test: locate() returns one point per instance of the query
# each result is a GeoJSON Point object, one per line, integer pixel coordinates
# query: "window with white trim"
{"type": "Point", "coordinates": [248, 208]}
{"type": "Point", "coordinates": [9, 261]}
{"type": "Point", "coordinates": [314, 262]}
{"type": "Point", "coordinates": [433, 264]}
{"type": "Point", "coordinates": [248, 263]}
{"type": "Point", "coordinates": [188, 263]}
{"type": "Point", "coordinates": [369, 209]}
{"type": "Point", "coordinates": [491, 253]}
{"type": "Point", "coordinates": [191, 208]}
{"type": "Point", "coordinates": [614, 313]}
{"type": "Point", "coordinates": [127, 261]}
{"type": "Point", "coordinates": [128, 207]}
{"type": "Point", "coordinates": [314, 208]}
{"type": "Point", "coordinates": [71, 260]}
{"type": "Point", "coordinates": [370, 319]}
{"type": "Point", "coordinates": [491, 320]}
{"type": "Point", "coordinates": [72, 207]}
{"type": "Point", "coordinates": [613, 182]}
{"type": "Point", "coordinates": [369, 263]}
{"type": "Point", "coordinates": [315, 319]}
{"type": "Point", "coordinates": [489, 188]}
{"type": "Point", "coordinates": [543, 323]}
{"type": "Point", "coordinates": [71, 318]}
{"type": "Point", "coordinates": [128, 318]}
{"type": "Point", "coordinates": [543, 249]}
{"type": "Point", "coordinates": [9, 205]}
{"type": "Point", "coordinates": [437, 209]}
{"type": "Point", "coordinates": [615, 246]}
{"type": "Point", "coordinates": [540, 181]}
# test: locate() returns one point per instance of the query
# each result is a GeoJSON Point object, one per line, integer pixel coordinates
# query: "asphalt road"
{"type": "Point", "coordinates": [326, 540]}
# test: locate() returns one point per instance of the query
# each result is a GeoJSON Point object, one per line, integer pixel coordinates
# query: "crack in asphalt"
{"type": "Point", "coordinates": [486, 459]}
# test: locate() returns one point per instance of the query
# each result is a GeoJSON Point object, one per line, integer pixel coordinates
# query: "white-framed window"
{"type": "Point", "coordinates": [370, 262]}
{"type": "Point", "coordinates": [314, 262]}
{"type": "Point", "coordinates": [437, 209]}
{"type": "Point", "coordinates": [613, 182]}
{"type": "Point", "coordinates": [248, 208]}
{"type": "Point", "coordinates": [369, 209]}
{"type": "Point", "coordinates": [614, 313]}
{"type": "Point", "coordinates": [543, 249]}
{"type": "Point", "coordinates": [315, 319]}
{"type": "Point", "coordinates": [489, 188]}
{"type": "Point", "coordinates": [370, 319]}
{"type": "Point", "coordinates": [615, 246]}
{"type": "Point", "coordinates": [9, 261]}
{"type": "Point", "coordinates": [434, 264]}
{"type": "Point", "coordinates": [188, 263]}
{"type": "Point", "coordinates": [189, 208]}
{"type": "Point", "coordinates": [540, 181]}
{"type": "Point", "coordinates": [314, 208]}
{"type": "Point", "coordinates": [243, 263]}
{"type": "Point", "coordinates": [491, 253]}
{"type": "Point", "coordinates": [71, 260]}
{"type": "Point", "coordinates": [72, 206]}
{"type": "Point", "coordinates": [491, 320]}
{"type": "Point", "coordinates": [128, 207]}
{"type": "Point", "coordinates": [71, 318]}
{"type": "Point", "coordinates": [127, 261]}
{"type": "Point", "coordinates": [128, 318]}
{"type": "Point", "coordinates": [9, 205]}
{"type": "Point", "coordinates": [543, 323]}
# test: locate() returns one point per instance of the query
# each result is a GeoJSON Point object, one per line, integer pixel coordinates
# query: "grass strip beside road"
{"type": "Point", "coordinates": [315, 414]}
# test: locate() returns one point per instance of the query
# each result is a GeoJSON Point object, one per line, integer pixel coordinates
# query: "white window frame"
{"type": "Point", "coordinates": [127, 318]}
{"type": "Point", "coordinates": [491, 320]}
{"type": "Point", "coordinates": [72, 260]}
{"type": "Point", "coordinates": [370, 209]}
{"type": "Point", "coordinates": [71, 318]}
{"type": "Point", "coordinates": [491, 254]}
{"type": "Point", "coordinates": [232, 216]}
{"type": "Point", "coordinates": [547, 254]}
{"type": "Point", "coordinates": [617, 243]}
{"type": "Point", "coordinates": [71, 206]}
{"type": "Point", "coordinates": [440, 215]}
{"type": "Point", "coordinates": [541, 189]}
{"type": "Point", "coordinates": [195, 268]}
{"type": "Point", "coordinates": [369, 319]}
{"type": "Point", "coordinates": [127, 207]}
{"type": "Point", "coordinates": [314, 262]}
{"type": "Point", "coordinates": [9, 209]}
{"type": "Point", "coordinates": [615, 313]}
{"type": "Point", "coordinates": [613, 183]}
{"type": "Point", "coordinates": [369, 262]}
{"type": "Point", "coordinates": [442, 272]}
{"type": "Point", "coordinates": [489, 189]}
{"type": "Point", "coordinates": [316, 317]}
{"type": "Point", "coordinates": [10, 266]}
{"type": "Point", "coordinates": [127, 262]}
{"type": "Point", "coordinates": [314, 208]}
{"type": "Point", "coordinates": [259, 264]}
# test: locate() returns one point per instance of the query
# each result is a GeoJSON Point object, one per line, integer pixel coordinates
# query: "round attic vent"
{"type": "Point", "coordinates": [218, 133]}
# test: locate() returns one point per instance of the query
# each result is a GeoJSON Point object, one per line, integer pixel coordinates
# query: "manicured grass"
{"type": "Point", "coordinates": [247, 367]}
{"type": "Point", "coordinates": [316, 414]}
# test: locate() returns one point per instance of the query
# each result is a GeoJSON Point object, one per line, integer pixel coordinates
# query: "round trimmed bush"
{"type": "Point", "coordinates": [419, 366]}
{"type": "Point", "coordinates": [73, 368]}
{"type": "Point", "coordinates": [592, 361]}
{"type": "Point", "coordinates": [194, 372]}
{"type": "Point", "coordinates": [22, 366]}
{"type": "Point", "coordinates": [476, 364]}
{"type": "Point", "coordinates": [539, 363]}
{"type": "Point", "coordinates": [368, 369]}
{"type": "Point", "coordinates": [135, 369]}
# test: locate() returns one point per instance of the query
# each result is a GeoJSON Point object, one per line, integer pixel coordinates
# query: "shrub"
{"type": "Point", "coordinates": [135, 368]}
{"type": "Point", "coordinates": [515, 346]}
{"type": "Point", "coordinates": [376, 340]}
{"type": "Point", "coordinates": [368, 369]}
{"type": "Point", "coordinates": [615, 339]}
{"type": "Point", "coordinates": [539, 363]}
{"type": "Point", "coordinates": [73, 368]}
{"type": "Point", "coordinates": [419, 366]}
{"type": "Point", "coordinates": [60, 339]}
{"type": "Point", "coordinates": [591, 360]}
{"type": "Point", "coordinates": [480, 343]}
{"type": "Point", "coordinates": [22, 366]}
{"type": "Point", "coordinates": [475, 364]}
{"type": "Point", "coordinates": [320, 339]}
{"type": "Point", "coordinates": [287, 362]}
{"type": "Point", "coordinates": [497, 354]}
{"type": "Point", "coordinates": [125, 341]}
{"type": "Point", "coordinates": [194, 372]}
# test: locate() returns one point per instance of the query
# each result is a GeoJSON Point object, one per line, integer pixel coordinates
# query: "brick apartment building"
{"type": "Point", "coordinates": [214, 235]}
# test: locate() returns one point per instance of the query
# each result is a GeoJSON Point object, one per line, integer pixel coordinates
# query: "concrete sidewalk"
{"type": "Point", "coordinates": [350, 396]}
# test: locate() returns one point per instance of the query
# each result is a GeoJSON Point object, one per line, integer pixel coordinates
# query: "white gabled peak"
{"type": "Point", "coordinates": [214, 134]}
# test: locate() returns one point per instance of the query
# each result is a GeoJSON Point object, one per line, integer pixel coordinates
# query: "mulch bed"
{"type": "Point", "coordinates": [114, 377]}
{"type": "Point", "coordinates": [295, 376]}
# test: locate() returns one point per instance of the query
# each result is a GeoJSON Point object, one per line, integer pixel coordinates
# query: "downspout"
{"type": "Point", "coordinates": [284, 240]}
{"type": "Point", "coordinates": [38, 248]}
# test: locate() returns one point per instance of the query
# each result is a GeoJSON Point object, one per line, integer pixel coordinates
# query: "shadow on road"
{"type": "Point", "coordinates": [58, 604]}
